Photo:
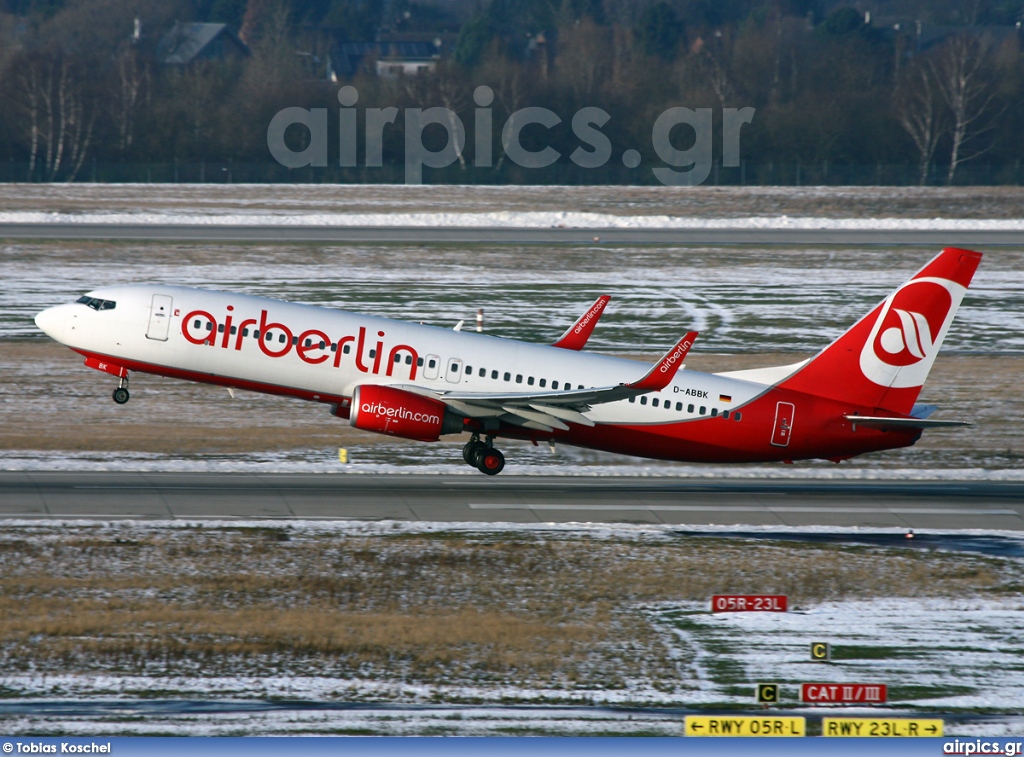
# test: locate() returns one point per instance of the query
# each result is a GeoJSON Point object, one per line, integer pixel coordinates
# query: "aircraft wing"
{"type": "Point", "coordinates": [546, 411]}
{"type": "Point", "coordinates": [576, 336]}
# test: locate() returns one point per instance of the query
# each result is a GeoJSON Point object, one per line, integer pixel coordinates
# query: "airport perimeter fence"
{"type": "Point", "coordinates": [749, 173]}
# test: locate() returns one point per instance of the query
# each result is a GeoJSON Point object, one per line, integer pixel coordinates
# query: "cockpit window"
{"type": "Point", "coordinates": [96, 303]}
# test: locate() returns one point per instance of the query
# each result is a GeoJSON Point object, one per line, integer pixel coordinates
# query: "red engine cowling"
{"type": "Point", "coordinates": [396, 412]}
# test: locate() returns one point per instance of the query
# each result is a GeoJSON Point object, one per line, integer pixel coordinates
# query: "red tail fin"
{"type": "Point", "coordinates": [884, 359]}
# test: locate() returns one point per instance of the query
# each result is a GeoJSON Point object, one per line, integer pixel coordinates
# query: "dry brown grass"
{"type": "Point", "coordinates": [522, 610]}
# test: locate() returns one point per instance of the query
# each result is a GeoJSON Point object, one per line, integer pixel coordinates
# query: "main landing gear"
{"type": "Point", "coordinates": [483, 456]}
{"type": "Point", "coordinates": [121, 395]}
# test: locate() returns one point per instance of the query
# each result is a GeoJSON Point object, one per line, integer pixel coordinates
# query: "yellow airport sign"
{"type": "Point", "coordinates": [821, 651]}
{"type": "Point", "coordinates": [883, 727]}
{"type": "Point", "coordinates": [733, 725]}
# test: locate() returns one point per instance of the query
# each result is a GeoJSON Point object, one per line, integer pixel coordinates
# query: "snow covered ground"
{"type": "Point", "coordinates": [445, 460]}
{"type": "Point", "coordinates": [705, 202]}
{"type": "Point", "coordinates": [514, 219]}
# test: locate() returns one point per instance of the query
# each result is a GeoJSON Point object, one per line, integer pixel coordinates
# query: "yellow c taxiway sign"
{"type": "Point", "coordinates": [885, 727]}
{"type": "Point", "coordinates": [702, 725]}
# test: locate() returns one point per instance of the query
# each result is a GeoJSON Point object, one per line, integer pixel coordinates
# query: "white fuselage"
{"type": "Point", "coordinates": [211, 334]}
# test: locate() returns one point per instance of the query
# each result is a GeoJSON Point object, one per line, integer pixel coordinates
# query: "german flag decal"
{"type": "Point", "coordinates": [725, 398]}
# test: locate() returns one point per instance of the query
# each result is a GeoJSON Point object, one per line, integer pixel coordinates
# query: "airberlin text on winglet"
{"type": "Point", "coordinates": [669, 364]}
{"type": "Point", "coordinates": [591, 314]}
{"type": "Point", "coordinates": [678, 353]}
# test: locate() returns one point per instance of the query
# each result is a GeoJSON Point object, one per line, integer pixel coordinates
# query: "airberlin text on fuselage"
{"type": "Point", "coordinates": [209, 334]}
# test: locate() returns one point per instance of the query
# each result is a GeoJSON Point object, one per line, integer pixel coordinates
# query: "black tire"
{"type": "Point", "coordinates": [470, 450]}
{"type": "Point", "coordinates": [491, 462]}
{"type": "Point", "coordinates": [121, 395]}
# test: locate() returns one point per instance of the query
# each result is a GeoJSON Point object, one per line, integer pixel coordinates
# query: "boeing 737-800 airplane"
{"type": "Point", "coordinates": [421, 382]}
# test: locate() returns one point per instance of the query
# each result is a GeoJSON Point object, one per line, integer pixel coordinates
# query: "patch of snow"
{"type": "Point", "coordinates": [317, 461]}
{"type": "Point", "coordinates": [509, 219]}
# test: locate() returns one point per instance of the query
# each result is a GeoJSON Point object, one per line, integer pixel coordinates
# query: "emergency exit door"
{"type": "Point", "coordinates": [160, 317]}
{"type": "Point", "coordinates": [784, 412]}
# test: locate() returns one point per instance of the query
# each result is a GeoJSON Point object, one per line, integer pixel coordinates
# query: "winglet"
{"type": "Point", "coordinates": [576, 336]}
{"type": "Point", "coordinates": [664, 370]}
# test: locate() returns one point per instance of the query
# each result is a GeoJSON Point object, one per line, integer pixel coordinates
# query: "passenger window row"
{"type": "Point", "coordinates": [703, 410]}
{"type": "Point", "coordinates": [520, 378]}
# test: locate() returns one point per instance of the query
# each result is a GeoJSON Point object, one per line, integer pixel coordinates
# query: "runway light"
{"type": "Point", "coordinates": [910, 534]}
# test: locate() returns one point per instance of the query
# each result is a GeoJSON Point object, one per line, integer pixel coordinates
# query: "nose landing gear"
{"type": "Point", "coordinates": [121, 395]}
{"type": "Point", "coordinates": [483, 456]}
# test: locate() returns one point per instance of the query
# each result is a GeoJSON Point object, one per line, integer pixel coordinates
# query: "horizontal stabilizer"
{"type": "Point", "coordinates": [897, 424]}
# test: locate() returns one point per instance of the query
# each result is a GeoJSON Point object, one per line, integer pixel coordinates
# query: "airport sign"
{"type": "Point", "coordinates": [821, 651]}
{"type": "Point", "coordinates": [881, 727]}
{"type": "Point", "coordinates": [843, 693]}
{"type": "Point", "coordinates": [748, 603]}
{"type": "Point", "coordinates": [768, 693]}
{"type": "Point", "coordinates": [742, 725]}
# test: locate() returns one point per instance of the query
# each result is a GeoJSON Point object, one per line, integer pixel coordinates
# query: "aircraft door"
{"type": "Point", "coordinates": [454, 373]}
{"type": "Point", "coordinates": [431, 366]}
{"type": "Point", "coordinates": [784, 412]}
{"type": "Point", "coordinates": [160, 317]}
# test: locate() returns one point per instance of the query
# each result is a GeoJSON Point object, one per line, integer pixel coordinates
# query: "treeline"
{"type": "Point", "coordinates": [81, 85]}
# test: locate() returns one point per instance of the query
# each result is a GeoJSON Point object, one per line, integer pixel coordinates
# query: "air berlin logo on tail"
{"type": "Point", "coordinates": [907, 343]}
{"type": "Point", "coordinates": [909, 331]}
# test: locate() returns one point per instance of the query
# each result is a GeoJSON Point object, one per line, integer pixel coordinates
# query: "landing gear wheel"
{"type": "Point", "coordinates": [471, 450]}
{"type": "Point", "coordinates": [121, 395]}
{"type": "Point", "coordinates": [491, 461]}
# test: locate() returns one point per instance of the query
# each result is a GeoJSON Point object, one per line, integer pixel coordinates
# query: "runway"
{"type": "Point", "coordinates": [524, 499]}
{"type": "Point", "coordinates": [497, 236]}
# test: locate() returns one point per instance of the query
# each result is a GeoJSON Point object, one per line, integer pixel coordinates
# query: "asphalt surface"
{"type": "Point", "coordinates": [524, 499]}
{"type": "Point", "coordinates": [490, 235]}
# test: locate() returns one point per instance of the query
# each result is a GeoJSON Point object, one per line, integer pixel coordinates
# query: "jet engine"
{"type": "Point", "coordinates": [396, 412]}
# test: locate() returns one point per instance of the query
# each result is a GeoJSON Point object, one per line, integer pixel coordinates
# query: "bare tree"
{"type": "Point", "coordinates": [445, 84]}
{"type": "Point", "coordinates": [510, 83]}
{"type": "Point", "coordinates": [131, 77]}
{"type": "Point", "coordinates": [60, 120]}
{"type": "Point", "coordinates": [961, 77]}
{"type": "Point", "coordinates": [712, 60]}
{"type": "Point", "coordinates": [583, 61]}
{"type": "Point", "coordinates": [920, 113]}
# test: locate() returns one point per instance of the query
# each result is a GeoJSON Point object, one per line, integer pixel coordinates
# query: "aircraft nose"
{"type": "Point", "coordinates": [51, 322]}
